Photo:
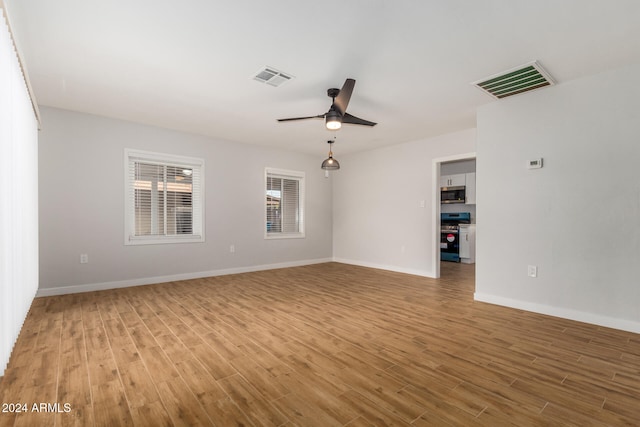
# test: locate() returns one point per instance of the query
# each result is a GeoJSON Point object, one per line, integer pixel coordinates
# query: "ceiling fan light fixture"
{"type": "Point", "coordinates": [333, 121]}
{"type": "Point", "coordinates": [337, 114]}
{"type": "Point", "coordinates": [330, 163]}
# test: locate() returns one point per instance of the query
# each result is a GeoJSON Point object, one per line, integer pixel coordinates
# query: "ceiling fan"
{"type": "Point", "coordinates": [337, 114]}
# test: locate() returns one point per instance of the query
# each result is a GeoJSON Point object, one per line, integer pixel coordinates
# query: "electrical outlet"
{"type": "Point", "coordinates": [84, 258]}
{"type": "Point", "coordinates": [532, 271]}
{"type": "Point", "coordinates": [232, 249]}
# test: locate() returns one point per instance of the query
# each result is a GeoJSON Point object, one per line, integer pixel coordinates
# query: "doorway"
{"type": "Point", "coordinates": [451, 165]}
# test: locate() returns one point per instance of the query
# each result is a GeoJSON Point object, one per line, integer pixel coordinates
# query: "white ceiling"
{"type": "Point", "coordinates": [188, 65]}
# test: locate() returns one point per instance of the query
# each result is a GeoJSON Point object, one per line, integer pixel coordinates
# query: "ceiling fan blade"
{"type": "Point", "coordinates": [342, 100]}
{"type": "Point", "coordinates": [353, 120]}
{"type": "Point", "coordinates": [320, 116]}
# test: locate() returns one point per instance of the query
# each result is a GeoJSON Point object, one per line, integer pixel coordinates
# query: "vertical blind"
{"type": "Point", "coordinates": [18, 195]}
{"type": "Point", "coordinates": [284, 213]}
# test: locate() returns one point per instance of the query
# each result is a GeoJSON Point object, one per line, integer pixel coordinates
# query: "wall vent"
{"type": "Point", "coordinates": [272, 77]}
{"type": "Point", "coordinates": [516, 80]}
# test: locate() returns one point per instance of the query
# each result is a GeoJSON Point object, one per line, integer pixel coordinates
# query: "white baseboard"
{"type": "Point", "coordinates": [580, 316]}
{"type": "Point", "coordinates": [387, 267]}
{"type": "Point", "coordinates": [62, 290]}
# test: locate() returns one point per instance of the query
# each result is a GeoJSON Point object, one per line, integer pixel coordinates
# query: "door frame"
{"type": "Point", "coordinates": [435, 199]}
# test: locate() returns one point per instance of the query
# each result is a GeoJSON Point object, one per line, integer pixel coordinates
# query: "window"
{"type": "Point", "coordinates": [164, 198]}
{"type": "Point", "coordinates": [284, 204]}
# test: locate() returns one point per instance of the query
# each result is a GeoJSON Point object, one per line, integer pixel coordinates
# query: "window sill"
{"type": "Point", "coordinates": [161, 240]}
{"type": "Point", "coordinates": [276, 236]}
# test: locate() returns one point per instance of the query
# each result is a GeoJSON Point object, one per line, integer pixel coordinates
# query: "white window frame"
{"type": "Point", "coordinates": [291, 175]}
{"type": "Point", "coordinates": [198, 192]}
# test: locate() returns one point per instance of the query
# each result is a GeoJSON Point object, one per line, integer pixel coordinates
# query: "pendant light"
{"type": "Point", "coordinates": [330, 163]}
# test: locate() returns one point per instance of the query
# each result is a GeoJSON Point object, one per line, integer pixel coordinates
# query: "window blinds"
{"type": "Point", "coordinates": [164, 197]}
{"type": "Point", "coordinates": [284, 207]}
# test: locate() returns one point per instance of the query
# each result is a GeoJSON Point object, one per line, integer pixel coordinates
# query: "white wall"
{"type": "Point", "coordinates": [577, 218]}
{"type": "Point", "coordinates": [82, 206]}
{"type": "Point", "coordinates": [460, 166]}
{"type": "Point", "coordinates": [378, 220]}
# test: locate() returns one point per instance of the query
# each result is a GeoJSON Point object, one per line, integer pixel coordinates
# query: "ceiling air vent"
{"type": "Point", "coordinates": [517, 80]}
{"type": "Point", "coordinates": [271, 76]}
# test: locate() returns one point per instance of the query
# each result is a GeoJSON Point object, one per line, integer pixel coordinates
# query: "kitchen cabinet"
{"type": "Point", "coordinates": [467, 246]}
{"type": "Point", "coordinates": [470, 190]}
{"type": "Point", "coordinates": [468, 180]}
{"type": "Point", "coordinates": [452, 180]}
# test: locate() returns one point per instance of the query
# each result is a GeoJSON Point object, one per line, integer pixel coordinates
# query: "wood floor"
{"type": "Point", "coordinates": [321, 345]}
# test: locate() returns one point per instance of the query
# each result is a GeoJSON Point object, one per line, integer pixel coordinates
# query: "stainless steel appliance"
{"type": "Point", "coordinates": [456, 194]}
{"type": "Point", "coordinates": [450, 234]}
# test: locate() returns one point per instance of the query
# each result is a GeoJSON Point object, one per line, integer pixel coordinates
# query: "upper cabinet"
{"type": "Point", "coordinates": [468, 180]}
{"type": "Point", "coordinates": [453, 180]}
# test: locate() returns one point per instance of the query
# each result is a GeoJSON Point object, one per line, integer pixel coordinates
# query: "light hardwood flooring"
{"type": "Point", "coordinates": [320, 345]}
